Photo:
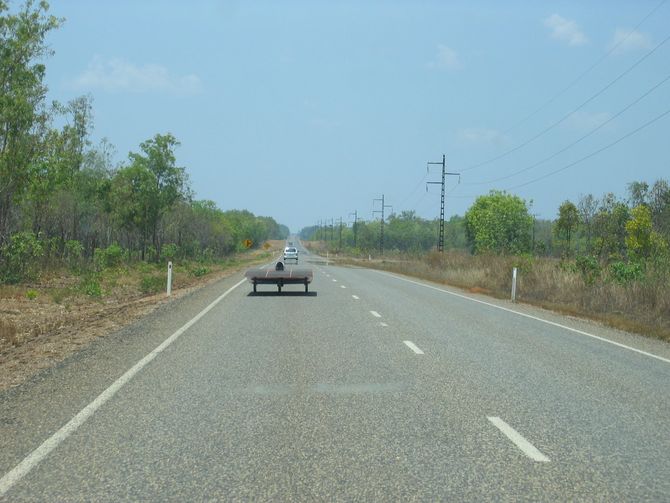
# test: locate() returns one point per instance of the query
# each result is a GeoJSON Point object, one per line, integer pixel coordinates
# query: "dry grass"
{"type": "Point", "coordinates": [58, 318]}
{"type": "Point", "coordinates": [8, 333]}
{"type": "Point", "coordinates": [642, 307]}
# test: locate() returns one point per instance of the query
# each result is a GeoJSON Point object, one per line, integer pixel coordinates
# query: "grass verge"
{"type": "Point", "coordinates": [642, 306]}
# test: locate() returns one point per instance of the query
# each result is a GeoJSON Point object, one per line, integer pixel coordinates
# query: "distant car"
{"type": "Point", "coordinates": [291, 253]}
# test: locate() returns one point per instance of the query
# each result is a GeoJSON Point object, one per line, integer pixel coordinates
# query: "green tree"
{"type": "Point", "coordinates": [638, 193]}
{"type": "Point", "coordinates": [22, 92]}
{"type": "Point", "coordinates": [163, 184]}
{"type": "Point", "coordinates": [499, 223]}
{"type": "Point", "coordinates": [567, 222]}
{"type": "Point", "coordinates": [609, 227]}
{"type": "Point", "coordinates": [659, 203]}
{"type": "Point", "coordinates": [588, 207]}
{"type": "Point", "coordinates": [641, 240]}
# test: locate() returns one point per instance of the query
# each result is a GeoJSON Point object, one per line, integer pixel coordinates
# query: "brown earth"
{"type": "Point", "coordinates": [37, 332]}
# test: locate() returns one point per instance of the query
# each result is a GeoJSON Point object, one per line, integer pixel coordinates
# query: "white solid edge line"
{"type": "Point", "coordinates": [526, 447]}
{"type": "Point", "coordinates": [375, 314]}
{"type": "Point", "coordinates": [32, 459]}
{"type": "Point", "coordinates": [413, 347]}
{"type": "Point", "coordinates": [603, 339]}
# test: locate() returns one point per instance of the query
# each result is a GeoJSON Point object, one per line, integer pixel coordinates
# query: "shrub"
{"type": "Point", "coordinates": [19, 257]}
{"type": "Point", "coordinates": [589, 267]}
{"type": "Point", "coordinates": [31, 294]}
{"type": "Point", "coordinates": [524, 263]}
{"type": "Point", "coordinates": [206, 255]}
{"type": "Point", "coordinates": [90, 285]}
{"type": "Point", "coordinates": [111, 256]}
{"type": "Point", "coordinates": [152, 284]}
{"type": "Point", "coordinates": [622, 272]}
{"type": "Point", "coordinates": [199, 271]}
{"type": "Point", "coordinates": [150, 255]}
{"type": "Point", "coordinates": [73, 253]}
{"type": "Point", "coordinates": [169, 251]}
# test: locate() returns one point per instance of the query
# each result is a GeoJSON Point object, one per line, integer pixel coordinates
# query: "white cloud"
{"type": "Point", "coordinates": [565, 30]}
{"type": "Point", "coordinates": [118, 75]}
{"type": "Point", "coordinates": [446, 58]}
{"type": "Point", "coordinates": [481, 136]}
{"type": "Point", "coordinates": [586, 121]}
{"type": "Point", "coordinates": [630, 40]}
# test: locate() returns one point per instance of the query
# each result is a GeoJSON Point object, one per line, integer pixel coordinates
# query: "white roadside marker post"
{"type": "Point", "coordinates": [514, 284]}
{"type": "Point", "coordinates": [169, 279]}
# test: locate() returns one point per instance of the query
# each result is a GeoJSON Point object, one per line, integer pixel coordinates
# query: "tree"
{"type": "Point", "coordinates": [568, 220]}
{"type": "Point", "coordinates": [659, 203]}
{"type": "Point", "coordinates": [610, 227]}
{"type": "Point", "coordinates": [638, 193]}
{"type": "Point", "coordinates": [588, 206]}
{"type": "Point", "coordinates": [22, 93]}
{"type": "Point", "coordinates": [499, 223]}
{"type": "Point", "coordinates": [164, 184]}
{"type": "Point", "coordinates": [641, 240]}
{"type": "Point", "coordinates": [129, 195]}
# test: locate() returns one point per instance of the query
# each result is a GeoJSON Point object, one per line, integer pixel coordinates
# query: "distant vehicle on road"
{"type": "Point", "coordinates": [291, 253]}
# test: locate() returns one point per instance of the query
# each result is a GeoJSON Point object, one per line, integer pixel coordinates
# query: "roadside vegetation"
{"type": "Point", "coordinates": [79, 228]}
{"type": "Point", "coordinates": [604, 258]}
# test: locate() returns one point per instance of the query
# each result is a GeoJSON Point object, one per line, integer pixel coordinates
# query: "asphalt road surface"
{"type": "Point", "coordinates": [373, 387]}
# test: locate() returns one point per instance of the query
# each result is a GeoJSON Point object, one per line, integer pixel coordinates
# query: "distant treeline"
{"type": "Point", "coordinates": [633, 230]}
{"type": "Point", "coordinates": [63, 199]}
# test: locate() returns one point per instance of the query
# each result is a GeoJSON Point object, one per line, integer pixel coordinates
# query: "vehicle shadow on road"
{"type": "Point", "coordinates": [281, 294]}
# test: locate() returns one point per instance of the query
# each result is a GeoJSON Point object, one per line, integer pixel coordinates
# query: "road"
{"type": "Point", "coordinates": [374, 387]}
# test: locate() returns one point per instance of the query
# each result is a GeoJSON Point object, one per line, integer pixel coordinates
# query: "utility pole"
{"type": "Point", "coordinates": [355, 214]}
{"type": "Point", "coordinates": [440, 240]}
{"type": "Point", "coordinates": [381, 229]}
{"type": "Point", "coordinates": [332, 229]}
{"type": "Point", "coordinates": [339, 248]}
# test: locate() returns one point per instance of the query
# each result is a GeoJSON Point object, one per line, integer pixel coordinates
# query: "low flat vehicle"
{"type": "Point", "coordinates": [291, 253]}
{"type": "Point", "coordinates": [280, 276]}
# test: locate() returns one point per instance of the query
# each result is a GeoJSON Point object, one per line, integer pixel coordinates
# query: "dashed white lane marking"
{"type": "Point", "coordinates": [356, 297]}
{"type": "Point", "coordinates": [334, 280]}
{"type": "Point", "coordinates": [382, 324]}
{"type": "Point", "coordinates": [526, 447]}
{"type": "Point", "coordinates": [413, 347]}
{"type": "Point", "coordinates": [342, 286]}
{"type": "Point", "coordinates": [577, 331]}
{"type": "Point", "coordinates": [375, 314]}
{"type": "Point", "coordinates": [35, 457]}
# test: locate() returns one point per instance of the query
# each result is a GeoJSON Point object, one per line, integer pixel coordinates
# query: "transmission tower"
{"type": "Point", "coordinates": [440, 240]}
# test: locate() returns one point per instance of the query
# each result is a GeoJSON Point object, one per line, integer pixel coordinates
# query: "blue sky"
{"type": "Point", "coordinates": [308, 110]}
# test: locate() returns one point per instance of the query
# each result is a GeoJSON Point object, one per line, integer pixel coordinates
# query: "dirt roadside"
{"type": "Point", "coordinates": [44, 333]}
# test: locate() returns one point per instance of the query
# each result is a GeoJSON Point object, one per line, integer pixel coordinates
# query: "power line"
{"type": "Point", "coordinates": [585, 72]}
{"type": "Point", "coordinates": [567, 147]}
{"type": "Point", "coordinates": [594, 153]}
{"type": "Point", "coordinates": [404, 200]}
{"type": "Point", "coordinates": [562, 119]}
{"type": "Point", "coordinates": [582, 159]}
